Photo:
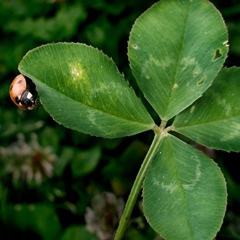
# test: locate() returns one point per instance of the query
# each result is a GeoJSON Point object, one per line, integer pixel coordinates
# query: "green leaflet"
{"type": "Point", "coordinates": [82, 89]}
{"type": "Point", "coordinates": [184, 193]}
{"type": "Point", "coordinates": [214, 119]}
{"type": "Point", "coordinates": [176, 49]}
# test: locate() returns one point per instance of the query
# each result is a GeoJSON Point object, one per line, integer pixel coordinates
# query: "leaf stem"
{"type": "Point", "coordinates": [137, 185]}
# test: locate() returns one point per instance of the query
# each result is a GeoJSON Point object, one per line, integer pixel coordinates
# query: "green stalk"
{"type": "Point", "coordinates": [137, 185]}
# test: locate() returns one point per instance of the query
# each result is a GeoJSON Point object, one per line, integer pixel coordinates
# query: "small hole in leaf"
{"type": "Point", "coordinates": [217, 55]}
{"type": "Point", "coordinates": [135, 46]}
{"type": "Point", "coordinates": [201, 81]}
{"type": "Point", "coordinates": [195, 74]}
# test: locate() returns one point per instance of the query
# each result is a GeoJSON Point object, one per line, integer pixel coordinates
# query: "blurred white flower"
{"type": "Point", "coordinates": [27, 161]}
{"type": "Point", "coordinates": [104, 215]}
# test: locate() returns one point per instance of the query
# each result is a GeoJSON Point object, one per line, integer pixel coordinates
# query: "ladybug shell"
{"type": "Point", "coordinates": [22, 92]}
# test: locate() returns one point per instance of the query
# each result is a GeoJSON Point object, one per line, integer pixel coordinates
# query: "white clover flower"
{"type": "Point", "coordinates": [27, 161]}
{"type": "Point", "coordinates": [104, 215]}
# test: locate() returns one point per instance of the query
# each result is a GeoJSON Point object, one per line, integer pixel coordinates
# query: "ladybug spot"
{"type": "Point", "coordinates": [17, 99]}
{"type": "Point", "coordinates": [19, 81]}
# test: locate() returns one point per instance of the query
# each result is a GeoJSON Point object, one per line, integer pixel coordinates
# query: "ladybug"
{"type": "Point", "coordinates": [23, 93]}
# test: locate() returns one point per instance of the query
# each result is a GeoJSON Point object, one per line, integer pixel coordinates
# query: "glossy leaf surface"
{"type": "Point", "coordinates": [214, 119]}
{"type": "Point", "coordinates": [184, 193]}
{"type": "Point", "coordinates": [82, 89]}
{"type": "Point", "coordinates": [176, 49]}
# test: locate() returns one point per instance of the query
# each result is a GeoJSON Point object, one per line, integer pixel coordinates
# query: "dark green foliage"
{"type": "Point", "coordinates": [60, 202]}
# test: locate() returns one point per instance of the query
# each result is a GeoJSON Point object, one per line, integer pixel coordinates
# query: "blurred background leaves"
{"type": "Point", "coordinates": [112, 164]}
